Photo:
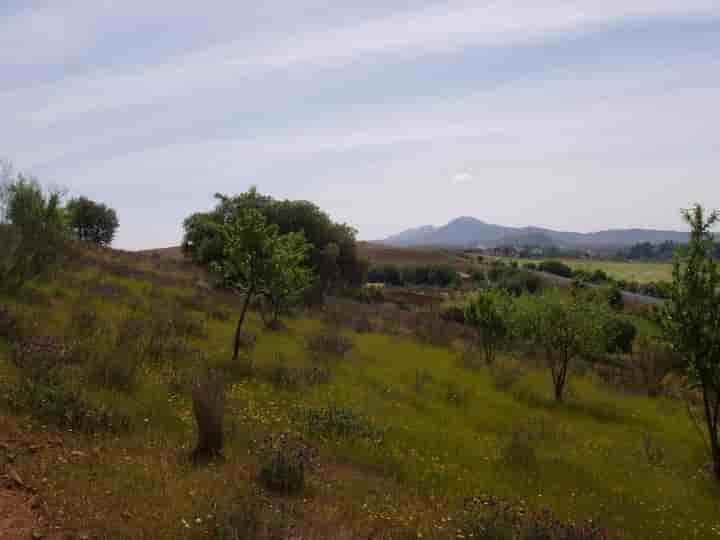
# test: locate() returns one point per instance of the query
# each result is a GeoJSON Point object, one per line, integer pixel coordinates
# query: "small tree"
{"type": "Point", "coordinates": [92, 222]}
{"type": "Point", "coordinates": [691, 318]}
{"type": "Point", "coordinates": [487, 314]}
{"type": "Point", "coordinates": [256, 258]}
{"type": "Point", "coordinates": [33, 235]}
{"type": "Point", "coordinates": [568, 329]}
{"type": "Point", "coordinates": [289, 276]}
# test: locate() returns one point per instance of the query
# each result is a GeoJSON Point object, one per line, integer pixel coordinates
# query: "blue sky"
{"type": "Point", "coordinates": [580, 115]}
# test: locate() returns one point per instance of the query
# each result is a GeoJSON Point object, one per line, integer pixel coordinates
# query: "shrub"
{"type": "Point", "coordinates": [113, 369]}
{"type": "Point", "coordinates": [363, 324]}
{"type": "Point", "coordinates": [53, 402]}
{"type": "Point", "coordinates": [336, 422]}
{"type": "Point", "coordinates": [283, 376]}
{"type": "Point", "coordinates": [283, 471]}
{"type": "Point", "coordinates": [453, 314]}
{"type": "Point", "coordinates": [619, 335]}
{"type": "Point", "coordinates": [329, 341]}
{"type": "Point", "coordinates": [519, 451]}
{"type": "Point", "coordinates": [208, 395]}
{"type": "Point", "coordinates": [557, 268]}
{"type": "Point", "coordinates": [9, 327]}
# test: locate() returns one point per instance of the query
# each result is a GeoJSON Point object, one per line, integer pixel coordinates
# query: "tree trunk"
{"type": "Point", "coordinates": [238, 330]}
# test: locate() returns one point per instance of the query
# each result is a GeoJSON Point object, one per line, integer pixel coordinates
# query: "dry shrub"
{"type": "Point", "coordinates": [329, 341]}
{"type": "Point", "coordinates": [363, 324]}
{"type": "Point", "coordinates": [520, 448]}
{"type": "Point", "coordinates": [208, 395]}
{"type": "Point", "coordinates": [283, 465]}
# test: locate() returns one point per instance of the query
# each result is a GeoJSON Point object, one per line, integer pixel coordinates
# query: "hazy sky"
{"type": "Point", "coordinates": [579, 115]}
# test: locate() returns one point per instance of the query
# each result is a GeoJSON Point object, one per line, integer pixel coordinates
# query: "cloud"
{"type": "Point", "coordinates": [462, 178]}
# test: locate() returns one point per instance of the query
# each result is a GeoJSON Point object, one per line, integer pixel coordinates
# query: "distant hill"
{"type": "Point", "coordinates": [471, 232]}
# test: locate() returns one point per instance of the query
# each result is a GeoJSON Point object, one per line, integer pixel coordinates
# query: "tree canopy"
{"type": "Point", "coordinates": [333, 252]}
{"type": "Point", "coordinates": [92, 222]}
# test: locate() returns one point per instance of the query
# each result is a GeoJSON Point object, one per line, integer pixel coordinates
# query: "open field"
{"type": "Point", "coordinates": [437, 433]}
{"type": "Point", "coordinates": [406, 256]}
{"type": "Point", "coordinates": [642, 272]}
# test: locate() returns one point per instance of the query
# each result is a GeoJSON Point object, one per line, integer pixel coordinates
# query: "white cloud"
{"type": "Point", "coordinates": [462, 178]}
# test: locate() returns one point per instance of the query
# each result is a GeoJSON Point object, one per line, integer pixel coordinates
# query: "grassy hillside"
{"type": "Point", "coordinates": [396, 435]}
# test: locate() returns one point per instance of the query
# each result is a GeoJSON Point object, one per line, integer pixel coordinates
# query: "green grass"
{"type": "Point", "coordinates": [642, 272]}
{"type": "Point", "coordinates": [434, 453]}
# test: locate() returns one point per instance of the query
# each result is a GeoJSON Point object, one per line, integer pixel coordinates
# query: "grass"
{"type": "Point", "coordinates": [642, 272]}
{"type": "Point", "coordinates": [432, 454]}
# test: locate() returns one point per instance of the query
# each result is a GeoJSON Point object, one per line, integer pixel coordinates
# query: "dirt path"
{"type": "Point", "coordinates": [18, 520]}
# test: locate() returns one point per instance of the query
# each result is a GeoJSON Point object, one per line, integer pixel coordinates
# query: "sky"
{"type": "Point", "coordinates": [388, 114]}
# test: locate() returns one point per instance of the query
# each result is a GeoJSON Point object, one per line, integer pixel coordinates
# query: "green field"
{"type": "Point", "coordinates": [589, 456]}
{"type": "Point", "coordinates": [642, 272]}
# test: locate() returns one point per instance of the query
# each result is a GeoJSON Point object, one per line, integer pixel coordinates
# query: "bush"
{"type": "Point", "coordinates": [453, 314]}
{"type": "Point", "coordinates": [53, 402]}
{"type": "Point", "coordinates": [9, 327]}
{"type": "Point", "coordinates": [329, 341]}
{"type": "Point", "coordinates": [283, 471]}
{"type": "Point", "coordinates": [336, 422]}
{"type": "Point", "coordinates": [432, 329]}
{"type": "Point", "coordinates": [208, 395]}
{"type": "Point", "coordinates": [520, 451]}
{"type": "Point", "coordinates": [619, 335]}
{"type": "Point", "coordinates": [557, 268]}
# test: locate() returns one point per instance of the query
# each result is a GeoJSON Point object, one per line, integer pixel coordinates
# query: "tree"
{"type": "Point", "coordinates": [33, 235]}
{"type": "Point", "coordinates": [92, 222]}
{"type": "Point", "coordinates": [691, 318]}
{"type": "Point", "coordinates": [256, 258]}
{"type": "Point", "coordinates": [567, 329]}
{"type": "Point", "coordinates": [330, 241]}
{"type": "Point", "coordinates": [487, 313]}
{"type": "Point", "coordinates": [289, 278]}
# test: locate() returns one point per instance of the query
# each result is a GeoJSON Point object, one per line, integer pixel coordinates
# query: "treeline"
{"type": "Point", "coordinates": [432, 275]}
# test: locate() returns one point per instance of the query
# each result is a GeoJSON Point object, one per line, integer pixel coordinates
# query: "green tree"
{"type": "Point", "coordinates": [691, 318]}
{"type": "Point", "coordinates": [488, 314]}
{"type": "Point", "coordinates": [33, 236]}
{"type": "Point", "coordinates": [92, 222]}
{"type": "Point", "coordinates": [568, 329]}
{"type": "Point", "coordinates": [204, 244]}
{"type": "Point", "coordinates": [256, 258]}
{"type": "Point", "coordinates": [290, 276]}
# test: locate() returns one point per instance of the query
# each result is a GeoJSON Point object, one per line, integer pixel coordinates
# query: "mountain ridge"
{"type": "Point", "coordinates": [467, 231]}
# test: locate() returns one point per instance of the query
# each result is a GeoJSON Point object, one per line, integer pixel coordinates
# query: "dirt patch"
{"type": "Point", "coordinates": [18, 519]}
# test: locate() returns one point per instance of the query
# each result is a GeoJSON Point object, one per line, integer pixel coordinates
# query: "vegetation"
{"type": "Point", "coordinates": [357, 420]}
{"type": "Point", "coordinates": [432, 275]}
{"type": "Point", "coordinates": [692, 319]}
{"type": "Point", "coordinates": [257, 260]}
{"type": "Point", "coordinates": [92, 222]}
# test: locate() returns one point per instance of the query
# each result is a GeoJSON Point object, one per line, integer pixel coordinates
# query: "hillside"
{"type": "Point", "coordinates": [471, 232]}
{"type": "Point", "coordinates": [398, 434]}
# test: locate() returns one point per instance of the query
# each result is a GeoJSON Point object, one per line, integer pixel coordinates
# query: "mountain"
{"type": "Point", "coordinates": [471, 232]}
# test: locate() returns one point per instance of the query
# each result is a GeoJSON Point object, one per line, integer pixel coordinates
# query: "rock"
{"type": "Point", "coordinates": [78, 453]}
{"type": "Point", "coordinates": [15, 477]}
